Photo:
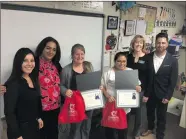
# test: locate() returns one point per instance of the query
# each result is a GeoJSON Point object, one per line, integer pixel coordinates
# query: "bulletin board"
{"type": "Point", "coordinates": [145, 18]}
{"type": "Point", "coordinates": [142, 12]}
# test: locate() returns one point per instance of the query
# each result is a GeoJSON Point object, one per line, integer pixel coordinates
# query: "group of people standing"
{"type": "Point", "coordinates": [37, 87]}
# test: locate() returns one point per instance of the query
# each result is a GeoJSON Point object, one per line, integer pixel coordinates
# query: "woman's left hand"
{"type": "Point", "coordinates": [40, 121]}
{"type": "Point", "coordinates": [138, 88]}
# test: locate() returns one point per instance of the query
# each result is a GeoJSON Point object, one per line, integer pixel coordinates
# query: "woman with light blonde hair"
{"type": "Point", "coordinates": [87, 66]}
{"type": "Point", "coordinates": [137, 59]}
{"type": "Point", "coordinates": [138, 38]}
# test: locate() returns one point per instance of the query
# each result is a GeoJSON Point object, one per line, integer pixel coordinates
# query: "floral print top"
{"type": "Point", "coordinates": [49, 85]}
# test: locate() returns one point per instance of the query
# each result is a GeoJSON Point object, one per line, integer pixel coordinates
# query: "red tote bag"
{"type": "Point", "coordinates": [113, 117]}
{"type": "Point", "coordinates": [73, 110]}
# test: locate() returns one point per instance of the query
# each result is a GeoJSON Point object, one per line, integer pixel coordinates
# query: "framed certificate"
{"type": "Point", "coordinates": [127, 98]}
{"type": "Point", "coordinates": [129, 27]}
{"type": "Point", "coordinates": [93, 99]}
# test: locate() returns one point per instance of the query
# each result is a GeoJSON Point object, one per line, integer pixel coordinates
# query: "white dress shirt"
{"type": "Point", "coordinates": [157, 61]}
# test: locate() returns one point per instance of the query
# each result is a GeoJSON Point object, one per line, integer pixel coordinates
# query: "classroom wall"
{"type": "Point", "coordinates": [107, 9]}
{"type": "Point", "coordinates": [73, 5]}
{"type": "Point", "coordinates": [180, 14]}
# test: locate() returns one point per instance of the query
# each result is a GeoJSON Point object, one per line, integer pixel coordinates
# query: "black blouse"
{"type": "Point", "coordinates": [142, 67]}
{"type": "Point", "coordinates": [73, 85]}
{"type": "Point", "coordinates": [22, 104]}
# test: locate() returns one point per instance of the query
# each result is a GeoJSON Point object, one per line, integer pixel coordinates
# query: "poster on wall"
{"type": "Point", "coordinates": [112, 22]}
{"type": "Point", "coordinates": [166, 17]}
{"type": "Point", "coordinates": [92, 6]}
{"type": "Point", "coordinates": [123, 45]}
{"type": "Point", "coordinates": [150, 27]}
{"type": "Point", "coordinates": [148, 14]}
{"type": "Point", "coordinates": [129, 27]}
{"type": "Point", "coordinates": [111, 42]}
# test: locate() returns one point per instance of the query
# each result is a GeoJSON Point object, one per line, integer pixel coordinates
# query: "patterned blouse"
{"type": "Point", "coordinates": [50, 85]}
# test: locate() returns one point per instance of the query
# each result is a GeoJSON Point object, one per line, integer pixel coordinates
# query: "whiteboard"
{"type": "Point", "coordinates": [27, 28]}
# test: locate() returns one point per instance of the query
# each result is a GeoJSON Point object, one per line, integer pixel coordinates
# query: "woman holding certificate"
{"type": "Point", "coordinates": [139, 60]}
{"type": "Point", "coordinates": [68, 84]}
{"type": "Point", "coordinates": [108, 83]}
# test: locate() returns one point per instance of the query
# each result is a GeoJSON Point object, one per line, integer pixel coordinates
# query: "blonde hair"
{"type": "Point", "coordinates": [87, 66]}
{"type": "Point", "coordinates": [134, 40]}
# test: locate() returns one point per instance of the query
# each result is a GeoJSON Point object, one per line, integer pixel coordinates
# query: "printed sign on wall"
{"type": "Point", "coordinates": [166, 17]}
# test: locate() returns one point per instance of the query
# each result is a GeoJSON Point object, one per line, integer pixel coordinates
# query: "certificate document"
{"type": "Point", "coordinates": [93, 99]}
{"type": "Point", "coordinates": [127, 98]}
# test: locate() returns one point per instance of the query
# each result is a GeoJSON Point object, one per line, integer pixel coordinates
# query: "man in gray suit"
{"type": "Point", "coordinates": [163, 73]}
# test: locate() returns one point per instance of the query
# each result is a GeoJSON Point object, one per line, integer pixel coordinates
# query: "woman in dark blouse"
{"type": "Point", "coordinates": [22, 100]}
{"type": "Point", "coordinates": [137, 59]}
{"type": "Point", "coordinates": [68, 84]}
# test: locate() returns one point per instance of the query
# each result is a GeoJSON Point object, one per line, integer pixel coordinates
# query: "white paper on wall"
{"type": "Point", "coordinates": [142, 12]}
{"type": "Point", "coordinates": [106, 59]}
{"type": "Point", "coordinates": [124, 43]}
{"type": "Point", "coordinates": [122, 24]}
{"type": "Point", "coordinates": [140, 27]}
{"type": "Point", "coordinates": [92, 5]}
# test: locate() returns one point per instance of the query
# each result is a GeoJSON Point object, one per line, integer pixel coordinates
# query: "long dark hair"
{"type": "Point", "coordinates": [39, 50]}
{"type": "Point", "coordinates": [117, 55]}
{"type": "Point", "coordinates": [17, 65]}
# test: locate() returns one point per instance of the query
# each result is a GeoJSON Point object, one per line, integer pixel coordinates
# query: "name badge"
{"type": "Point", "coordinates": [166, 65]}
{"type": "Point", "coordinates": [141, 62]}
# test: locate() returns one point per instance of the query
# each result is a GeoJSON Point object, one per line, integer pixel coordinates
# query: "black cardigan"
{"type": "Point", "coordinates": [21, 104]}
{"type": "Point", "coordinates": [143, 70]}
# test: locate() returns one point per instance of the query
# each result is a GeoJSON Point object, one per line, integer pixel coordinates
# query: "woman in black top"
{"type": "Point", "coordinates": [22, 100]}
{"type": "Point", "coordinates": [137, 59]}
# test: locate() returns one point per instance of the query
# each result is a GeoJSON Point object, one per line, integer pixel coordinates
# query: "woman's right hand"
{"type": "Point", "coordinates": [111, 99]}
{"type": "Point", "coordinates": [20, 137]}
{"type": "Point", "coordinates": [68, 93]}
